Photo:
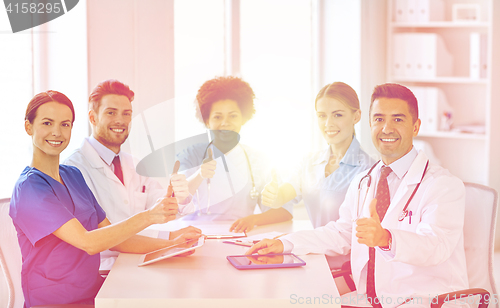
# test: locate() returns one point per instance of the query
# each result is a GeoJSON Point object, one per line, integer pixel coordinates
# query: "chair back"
{"type": "Point", "coordinates": [10, 257]}
{"type": "Point", "coordinates": [481, 204]}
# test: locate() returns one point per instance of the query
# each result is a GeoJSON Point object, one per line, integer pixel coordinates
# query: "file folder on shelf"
{"type": "Point", "coordinates": [429, 10]}
{"type": "Point", "coordinates": [478, 52]}
{"type": "Point", "coordinates": [432, 105]}
{"type": "Point", "coordinates": [421, 55]}
{"type": "Point", "coordinates": [399, 43]}
{"type": "Point", "coordinates": [418, 11]}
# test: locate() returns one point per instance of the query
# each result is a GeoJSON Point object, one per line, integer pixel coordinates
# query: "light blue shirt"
{"type": "Point", "coordinates": [399, 169]}
{"type": "Point", "coordinates": [323, 195]}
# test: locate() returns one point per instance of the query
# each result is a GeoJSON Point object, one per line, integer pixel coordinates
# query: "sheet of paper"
{"type": "Point", "coordinates": [219, 230]}
{"type": "Point", "coordinates": [251, 240]}
{"type": "Point", "coordinates": [212, 231]}
{"type": "Point", "coordinates": [261, 236]}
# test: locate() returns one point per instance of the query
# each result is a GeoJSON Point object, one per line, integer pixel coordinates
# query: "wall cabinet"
{"type": "Point", "coordinates": [452, 48]}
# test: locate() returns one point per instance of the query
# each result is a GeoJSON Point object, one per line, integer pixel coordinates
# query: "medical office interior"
{"type": "Point", "coordinates": [446, 53]}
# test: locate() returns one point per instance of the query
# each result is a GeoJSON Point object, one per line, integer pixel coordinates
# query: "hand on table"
{"type": "Point", "coordinates": [190, 229]}
{"type": "Point", "coordinates": [186, 240]}
{"type": "Point", "coordinates": [244, 224]}
{"type": "Point", "coordinates": [266, 246]}
{"type": "Point", "coordinates": [369, 231]}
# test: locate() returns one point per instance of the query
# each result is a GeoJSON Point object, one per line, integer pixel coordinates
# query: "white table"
{"type": "Point", "coordinates": [207, 279]}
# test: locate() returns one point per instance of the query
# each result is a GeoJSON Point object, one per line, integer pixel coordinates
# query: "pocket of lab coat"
{"type": "Point", "coordinates": [139, 202]}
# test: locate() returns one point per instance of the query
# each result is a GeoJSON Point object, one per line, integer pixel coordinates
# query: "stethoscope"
{"type": "Point", "coordinates": [368, 178]}
{"type": "Point", "coordinates": [254, 194]}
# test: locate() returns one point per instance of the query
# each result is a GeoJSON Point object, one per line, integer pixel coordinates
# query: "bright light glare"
{"type": "Point", "coordinates": [276, 62]}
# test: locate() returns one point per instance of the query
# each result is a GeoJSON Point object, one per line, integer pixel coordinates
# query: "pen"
{"type": "Point", "coordinates": [242, 243]}
{"type": "Point", "coordinates": [254, 241]}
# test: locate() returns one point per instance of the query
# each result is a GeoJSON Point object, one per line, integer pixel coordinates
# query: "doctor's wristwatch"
{"type": "Point", "coordinates": [389, 245]}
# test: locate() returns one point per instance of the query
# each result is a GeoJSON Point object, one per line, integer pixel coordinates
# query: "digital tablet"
{"type": "Point", "coordinates": [170, 251]}
{"type": "Point", "coordinates": [255, 261]}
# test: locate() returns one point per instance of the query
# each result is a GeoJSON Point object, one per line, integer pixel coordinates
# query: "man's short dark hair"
{"type": "Point", "coordinates": [394, 90]}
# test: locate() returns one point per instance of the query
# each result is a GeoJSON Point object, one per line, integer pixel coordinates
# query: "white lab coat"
{"type": "Point", "coordinates": [428, 256]}
{"type": "Point", "coordinates": [229, 189]}
{"type": "Point", "coordinates": [119, 201]}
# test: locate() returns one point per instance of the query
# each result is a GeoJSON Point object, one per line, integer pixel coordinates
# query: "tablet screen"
{"type": "Point", "coordinates": [171, 251]}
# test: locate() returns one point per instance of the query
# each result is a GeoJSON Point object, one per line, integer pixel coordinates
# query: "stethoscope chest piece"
{"type": "Point", "coordinates": [403, 215]}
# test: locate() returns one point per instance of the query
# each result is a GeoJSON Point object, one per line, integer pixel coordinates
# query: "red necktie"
{"type": "Point", "coordinates": [118, 168]}
{"type": "Point", "coordinates": [383, 200]}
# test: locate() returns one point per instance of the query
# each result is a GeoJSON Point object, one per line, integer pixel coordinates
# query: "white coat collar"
{"type": "Point", "coordinates": [412, 177]}
{"type": "Point", "coordinates": [414, 174]}
{"type": "Point", "coordinates": [409, 182]}
{"type": "Point", "coordinates": [401, 166]}
{"type": "Point", "coordinates": [97, 162]}
{"type": "Point", "coordinates": [105, 153]}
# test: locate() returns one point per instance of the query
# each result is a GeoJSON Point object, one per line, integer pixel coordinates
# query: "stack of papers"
{"type": "Point", "coordinates": [473, 129]}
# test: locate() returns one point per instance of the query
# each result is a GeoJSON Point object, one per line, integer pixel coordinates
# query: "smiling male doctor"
{"type": "Point", "coordinates": [396, 252]}
{"type": "Point", "coordinates": [109, 172]}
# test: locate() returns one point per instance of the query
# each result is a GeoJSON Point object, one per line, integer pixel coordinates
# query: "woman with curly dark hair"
{"type": "Point", "coordinates": [225, 177]}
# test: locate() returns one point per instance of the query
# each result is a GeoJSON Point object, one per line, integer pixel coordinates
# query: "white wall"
{"type": "Point", "coordinates": [60, 63]}
{"type": "Point", "coordinates": [132, 41]}
{"type": "Point", "coordinates": [373, 61]}
{"type": "Point", "coordinates": [52, 56]}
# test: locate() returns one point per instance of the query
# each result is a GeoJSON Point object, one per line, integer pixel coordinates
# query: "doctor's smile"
{"type": "Point", "coordinates": [332, 133]}
{"type": "Point", "coordinates": [118, 130]}
{"type": "Point", "coordinates": [389, 139]}
{"type": "Point", "coordinates": [54, 143]}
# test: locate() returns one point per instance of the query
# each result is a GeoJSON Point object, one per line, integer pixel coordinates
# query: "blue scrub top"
{"type": "Point", "coordinates": [53, 271]}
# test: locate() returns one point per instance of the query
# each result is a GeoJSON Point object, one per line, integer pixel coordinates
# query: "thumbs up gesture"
{"type": "Point", "coordinates": [369, 231]}
{"type": "Point", "coordinates": [178, 187]}
{"type": "Point", "coordinates": [207, 169]}
{"type": "Point", "coordinates": [270, 192]}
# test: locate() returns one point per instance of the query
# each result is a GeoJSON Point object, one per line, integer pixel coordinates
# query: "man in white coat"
{"type": "Point", "coordinates": [108, 171]}
{"type": "Point", "coordinates": [414, 243]}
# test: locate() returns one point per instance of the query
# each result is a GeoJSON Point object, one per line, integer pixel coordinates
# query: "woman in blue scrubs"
{"type": "Point", "coordinates": [61, 227]}
{"type": "Point", "coordinates": [323, 177]}
{"type": "Point", "coordinates": [227, 187]}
